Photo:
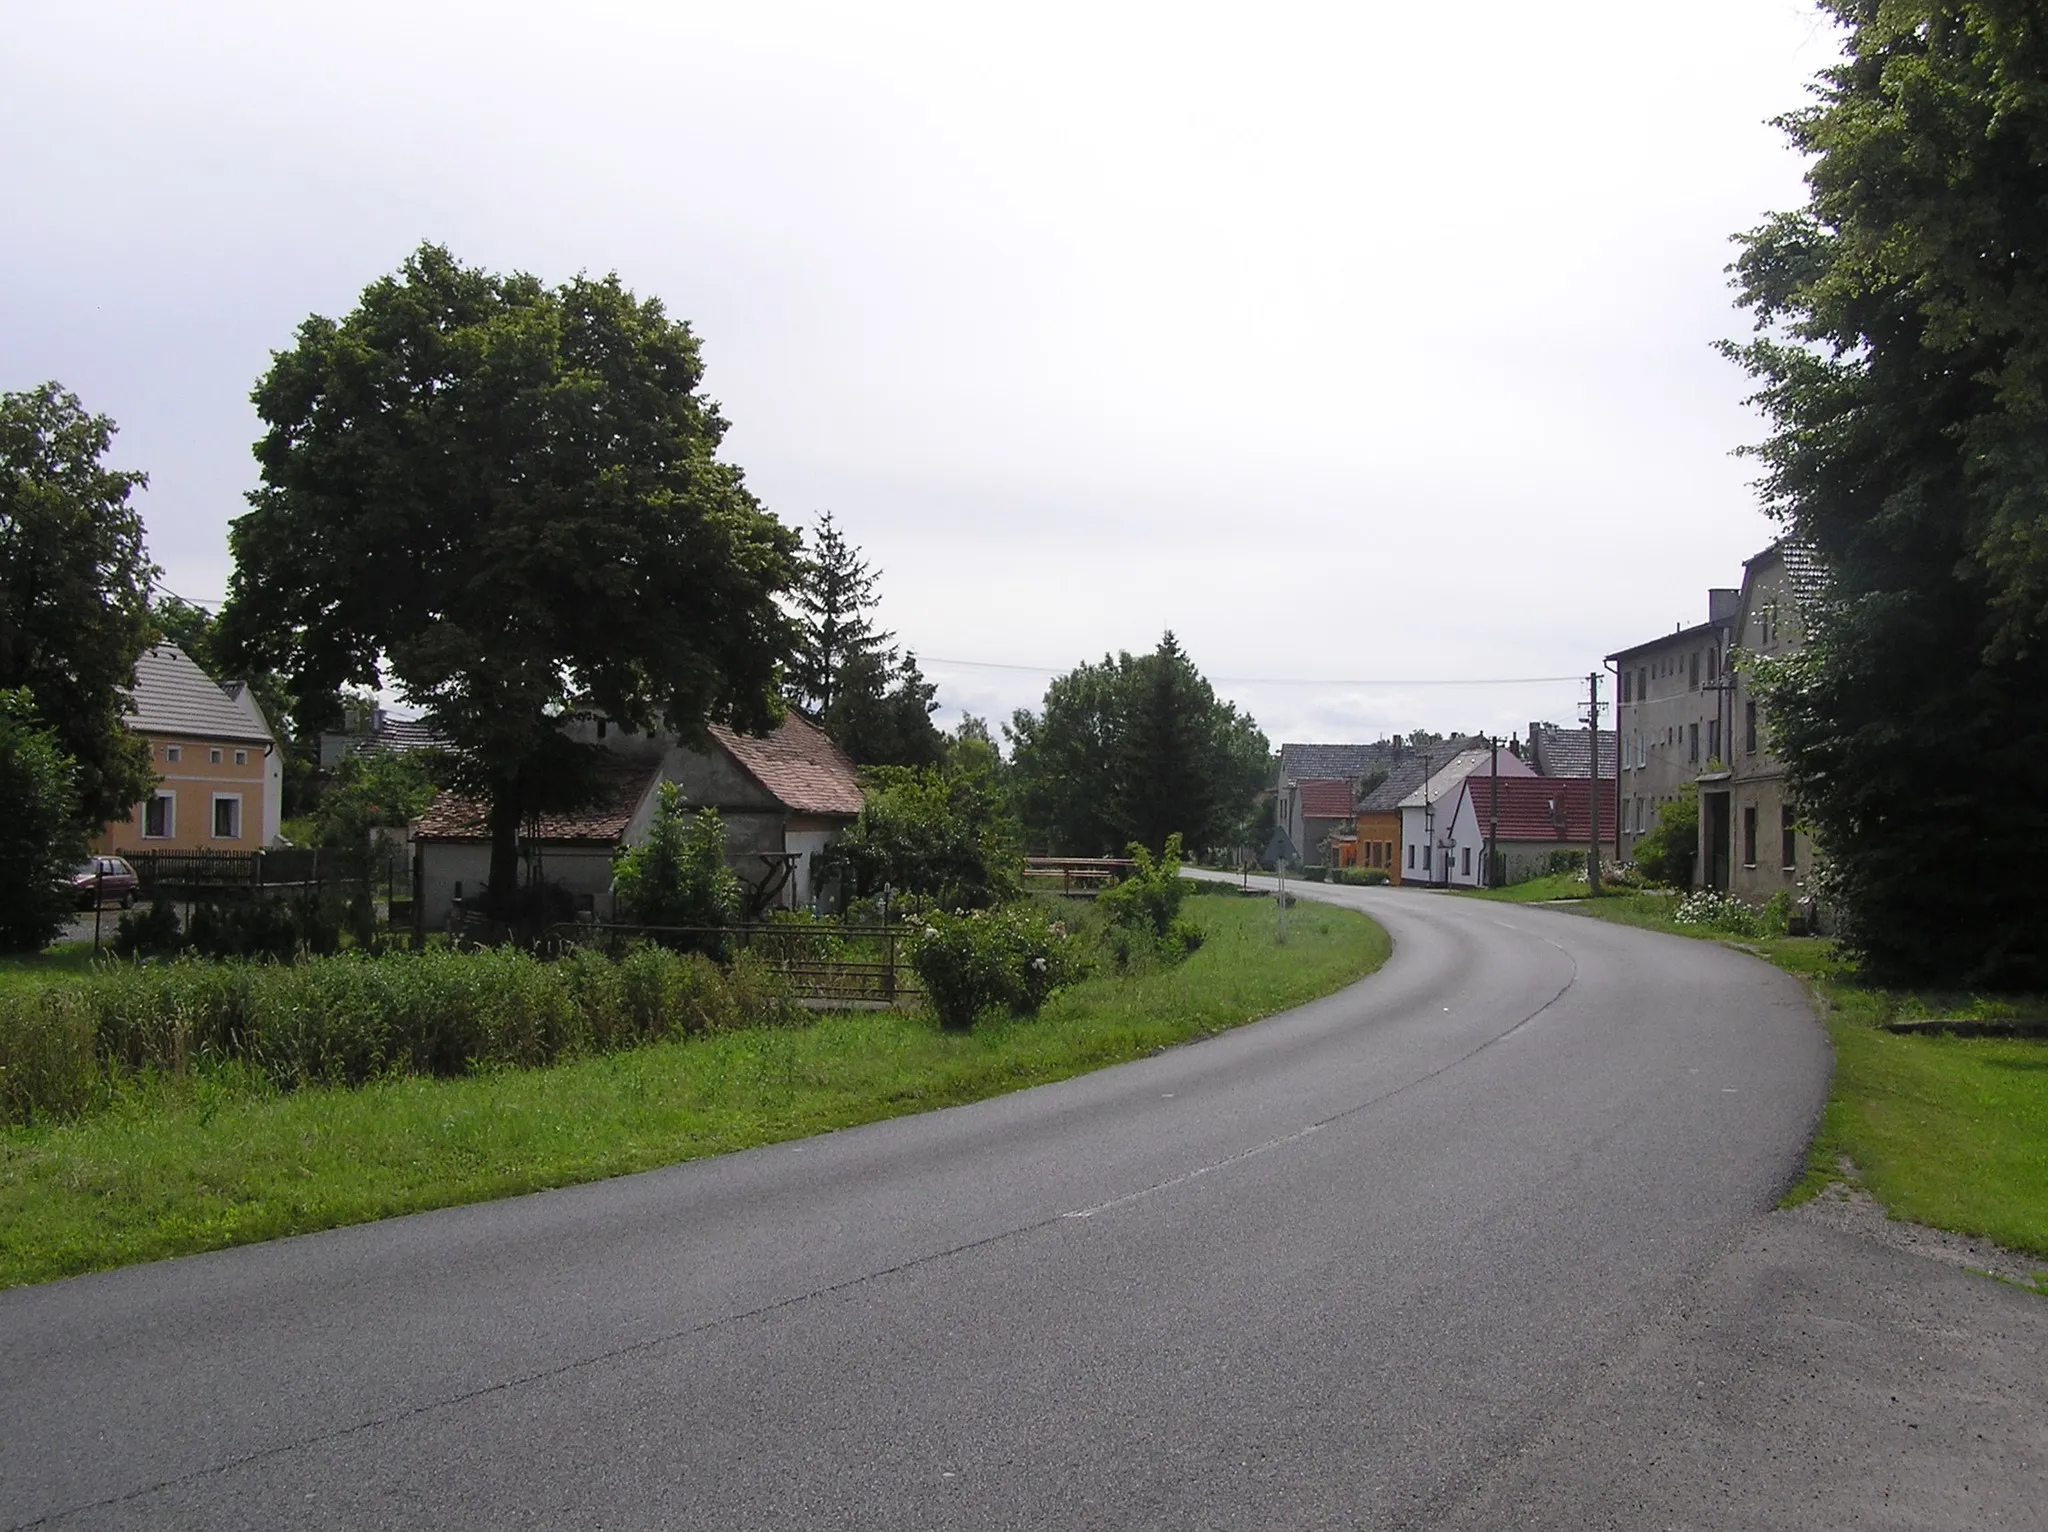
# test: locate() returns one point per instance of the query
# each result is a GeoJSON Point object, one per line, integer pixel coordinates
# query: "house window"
{"type": "Point", "coordinates": [213, 756]}
{"type": "Point", "coordinates": [159, 816]}
{"type": "Point", "coordinates": [1425, 858]}
{"type": "Point", "coordinates": [1787, 846]}
{"type": "Point", "coordinates": [1713, 664]}
{"type": "Point", "coordinates": [174, 753]}
{"type": "Point", "coordinates": [241, 757]}
{"type": "Point", "coordinates": [1692, 680]}
{"type": "Point", "coordinates": [1693, 743]}
{"type": "Point", "coordinates": [1749, 836]}
{"type": "Point", "coordinates": [1465, 861]}
{"type": "Point", "coordinates": [1411, 856]}
{"type": "Point", "coordinates": [1627, 688]}
{"type": "Point", "coordinates": [1713, 739]}
{"type": "Point", "coordinates": [1642, 683]}
{"type": "Point", "coordinates": [227, 816]}
{"type": "Point", "coordinates": [1749, 727]}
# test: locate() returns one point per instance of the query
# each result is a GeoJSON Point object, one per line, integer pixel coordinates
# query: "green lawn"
{"type": "Point", "coordinates": [217, 1159]}
{"type": "Point", "coordinates": [1946, 1131]}
{"type": "Point", "coordinates": [68, 959]}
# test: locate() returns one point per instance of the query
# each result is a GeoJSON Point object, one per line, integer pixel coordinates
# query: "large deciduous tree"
{"type": "Point", "coordinates": [41, 839]}
{"type": "Point", "coordinates": [1902, 352]}
{"type": "Point", "coordinates": [74, 590]}
{"type": "Point", "coordinates": [1136, 748]}
{"type": "Point", "coordinates": [505, 499]}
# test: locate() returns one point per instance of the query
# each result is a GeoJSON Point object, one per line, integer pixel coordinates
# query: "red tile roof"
{"type": "Point", "coordinates": [1530, 807]}
{"type": "Point", "coordinates": [1326, 799]}
{"type": "Point", "coordinates": [799, 765]}
{"type": "Point", "coordinates": [624, 784]}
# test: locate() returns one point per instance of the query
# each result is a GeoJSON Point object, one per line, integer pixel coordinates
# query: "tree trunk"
{"type": "Point", "coordinates": [504, 823]}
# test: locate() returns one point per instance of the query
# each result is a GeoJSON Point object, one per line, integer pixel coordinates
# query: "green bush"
{"type": "Point", "coordinates": [1360, 877]}
{"type": "Point", "coordinates": [1667, 853]}
{"type": "Point", "coordinates": [1011, 958]}
{"type": "Point", "coordinates": [1735, 917]}
{"type": "Point", "coordinates": [942, 834]}
{"type": "Point", "coordinates": [1314, 874]}
{"type": "Point", "coordinates": [679, 878]}
{"type": "Point", "coordinates": [150, 931]}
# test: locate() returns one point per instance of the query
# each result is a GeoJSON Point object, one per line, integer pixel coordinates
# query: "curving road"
{"type": "Point", "coordinates": [1394, 1259]}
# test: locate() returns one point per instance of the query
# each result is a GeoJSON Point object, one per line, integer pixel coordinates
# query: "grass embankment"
{"type": "Point", "coordinates": [1942, 1130]}
{"type": "Point", "coordinates": [221, 1157]}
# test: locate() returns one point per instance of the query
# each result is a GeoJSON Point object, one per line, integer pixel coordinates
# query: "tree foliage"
{"type": "Point", "coordinates": [41, 839]}
{"type": "Point", "coordinates": [946, 835]}
{"type": "Point", "coordinates": [1135, 749]}
{"type": "Point", "coordinates": [882, 715]}
{"type": "Point", "coordinates": [505, 497]}
{"type": "Point", "coordinates": [872, 700]}
{"type": "Point", "coordinates": [376, 789]}
{"type": "Point", "coordinates": [74, 590]}
{"type": "Point", "coordinates": [1902, 356]}
{"type": "Point", "coordinates": [835, 597]}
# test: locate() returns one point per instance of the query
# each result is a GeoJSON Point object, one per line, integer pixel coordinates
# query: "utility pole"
{"type": "Point", "coordinates": [1493, 814]}
{"type": "Point", "coordinates": [1593, 798]}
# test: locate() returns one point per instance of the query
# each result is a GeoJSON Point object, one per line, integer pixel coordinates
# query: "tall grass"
{"type": "Point", "coordinates": [65, 1047]}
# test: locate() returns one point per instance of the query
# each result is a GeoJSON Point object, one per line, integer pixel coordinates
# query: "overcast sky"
{"type": "Point", "coordinates": [1355, 343]}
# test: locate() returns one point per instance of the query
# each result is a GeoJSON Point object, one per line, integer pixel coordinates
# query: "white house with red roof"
{"type": "Point", "coordinates": [1537, 817]}
{"type": "Point", "coordinates": [785, 797]}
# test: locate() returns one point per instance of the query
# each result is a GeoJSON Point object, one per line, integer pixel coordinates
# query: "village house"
{"type": "Point", "coordinates": [1430, 848]}
{"type": "Point", "coordinates": [1750, 843]}
{"type": "Point", "coordinates": [220, 773]}
{"type": "Point", "coordinates": [1671, 713]}
{"type": "Point", "coordinates": [1315, 794]}
{"type": "Point", "coordinates": [1377, 825]}
{"type": "Point", "coordinates": [1532, 819]}
{"type": "Point", "coordinates": [784, 798]}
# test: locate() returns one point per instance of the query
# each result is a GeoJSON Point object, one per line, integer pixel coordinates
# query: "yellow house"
{"type": "Point", "coordinates": [220, 771]}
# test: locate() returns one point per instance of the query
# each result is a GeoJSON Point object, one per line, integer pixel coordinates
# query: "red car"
{"type": "Point", "coordinates": [104, 877]}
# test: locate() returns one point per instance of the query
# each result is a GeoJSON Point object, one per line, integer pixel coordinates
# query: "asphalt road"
{"type": "Point", "coordinates": [1483, 1241]}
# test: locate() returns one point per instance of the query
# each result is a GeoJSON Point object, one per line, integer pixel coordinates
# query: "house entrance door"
{"type": "Point", "coordinates": [1714, 831]}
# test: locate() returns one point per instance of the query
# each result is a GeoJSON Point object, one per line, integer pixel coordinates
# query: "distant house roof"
{"type": "Point", "coordinates": [1330, 763]}
{"type": "Point", "coordinates": [1326, 800]}
{"type": "Point", "coordinates": [172, 695]}
{"type": "Point", "coordinates": [1804, 571]}
{"type": "Point", "coordinates": [624, 785]}
{"type": "Point", "coordinates": [1443, 782]}
{"type": "Point", "coordinates": [1406, 772]}
{"type": "Point", "coordinates": [403, 734]}
{"type": "Point", "coordinates": [1569, 752]}
{"type": "Point", "coordinates": [1543, 808]}
{"type": "Point", "coordinates": [799, 765]}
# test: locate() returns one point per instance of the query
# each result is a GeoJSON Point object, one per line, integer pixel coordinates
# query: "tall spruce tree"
{"type": "Point", "coordinates": [835, 597]}
{"type": "Point", "coordinates": [1902, 352]}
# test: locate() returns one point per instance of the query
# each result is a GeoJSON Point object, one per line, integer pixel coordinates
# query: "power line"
{"type": "Point", "coordinates": [1050, 670]}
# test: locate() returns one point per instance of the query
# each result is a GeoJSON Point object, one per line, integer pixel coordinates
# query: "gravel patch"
{"type": "Point", "coordinates": [1845, 1206]}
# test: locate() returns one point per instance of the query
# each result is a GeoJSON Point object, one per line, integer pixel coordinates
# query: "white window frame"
{"type": "Point", "coordinates": [173, 754]}
{"type": "Point", "coordinates": [241, 757]}
{"type": "Point", "coordinates": [213, 825]}
{"type": "Point", "coordinates": [213, 755]}
{"type": "Point", "coordinates": [170, 831]}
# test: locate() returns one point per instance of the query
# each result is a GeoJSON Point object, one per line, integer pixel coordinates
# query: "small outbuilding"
{"type": "Point", "coordinates": [785, 798]}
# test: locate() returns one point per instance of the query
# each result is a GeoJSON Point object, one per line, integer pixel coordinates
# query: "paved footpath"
{"type": "Point", "coordinates": [1483, 1242]}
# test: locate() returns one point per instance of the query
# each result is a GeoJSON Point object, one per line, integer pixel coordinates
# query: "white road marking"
{"type": "Point", "coordinates": [1195, 1174]}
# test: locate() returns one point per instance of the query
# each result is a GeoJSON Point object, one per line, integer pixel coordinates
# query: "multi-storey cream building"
{"type": "Point", "coordinates": [220, 770]}
{"type": "Point", "coordinates": [1671, 713]}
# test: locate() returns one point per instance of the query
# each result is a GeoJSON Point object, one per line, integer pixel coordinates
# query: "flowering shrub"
{"type": "Point", "coordinates": [1012, 957]}
{"type": "Point", "coordinates": [1724, 912]}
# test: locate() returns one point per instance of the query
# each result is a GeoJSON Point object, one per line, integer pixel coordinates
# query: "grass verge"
{"type": "Point", "coordinates": [219, 1158]}
{"type": "Point", "coordinates": [1951, 1132]}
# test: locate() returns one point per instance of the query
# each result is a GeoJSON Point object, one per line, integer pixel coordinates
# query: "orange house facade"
{"type": "Point", "coordinates": [220, 773]}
